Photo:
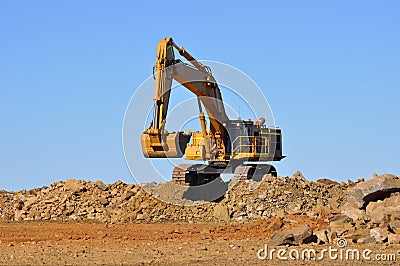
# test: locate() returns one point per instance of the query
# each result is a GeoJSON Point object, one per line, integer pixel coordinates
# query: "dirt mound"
{"type": "Point", "coordinates": [119, 202]}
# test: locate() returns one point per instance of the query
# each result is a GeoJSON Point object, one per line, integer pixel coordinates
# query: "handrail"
{"type": "Point", "coordinates": [256, 147]}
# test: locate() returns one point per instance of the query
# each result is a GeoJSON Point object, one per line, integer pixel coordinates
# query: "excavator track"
{"type": "Point", "coordinates": [243, 172]}
{"type": "Point", "coordinates": [179, 174]}
{"type": "Point", "coordinates": [194, 174]}
{"type": "Point", "coordinates": [255, 172]}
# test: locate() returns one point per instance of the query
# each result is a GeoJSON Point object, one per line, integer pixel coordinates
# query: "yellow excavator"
{"type": "Point", "coordinates": [242, 147]}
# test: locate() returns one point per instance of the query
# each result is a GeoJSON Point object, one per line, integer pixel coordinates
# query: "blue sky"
{"type": "Point", "coordinates": [330, 71]}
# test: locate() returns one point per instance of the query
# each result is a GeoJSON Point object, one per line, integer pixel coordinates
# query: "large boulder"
{"type": "Point", "coordinates": [323, 236]}
{"type": "Point", "coordinates": [353, 212]}
{"type": "Point", "coordinates": [74, 185]}
{"type": "Point", "coordinates": [340, 225]}
{"type": "Point", "coordinates": [302, 234]}
{"type": "Point", "coordinates": [380, 234]}
{"type": "Point", "coordinates": [378, 187]}
{"type": "Point", "coordinates": [387, 210]}
{"type": "Point", "coordinates": [221, 213]}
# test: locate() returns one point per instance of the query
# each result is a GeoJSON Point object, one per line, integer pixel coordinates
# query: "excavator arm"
{"type": "Point", "coordinates": [197, 78]}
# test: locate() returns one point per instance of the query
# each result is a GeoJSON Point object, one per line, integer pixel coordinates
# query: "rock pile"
{"type": "Point", "coordinates": [370, 215]}
{"type": "Point", "coordinates": [373, 211]}
{"type": "Point", "coordinates": [119, 202]}
{"type": "Point", "coordinates": [280, 196]}
{"type": "Point", "coordinates": [361, 212]}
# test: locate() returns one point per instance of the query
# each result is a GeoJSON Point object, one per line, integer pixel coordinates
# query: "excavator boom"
{"type": "Point", "coordinates": [197, 78]}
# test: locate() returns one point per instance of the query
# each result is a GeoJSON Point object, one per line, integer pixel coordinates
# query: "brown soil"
{"type": "Point", "coordinates": [33, 243]}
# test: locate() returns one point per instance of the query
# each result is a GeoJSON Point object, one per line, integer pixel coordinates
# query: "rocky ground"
{"type": "Point", "coordinates": [78, 200]}
{"type": "Point", "coordinates": [84, 222]}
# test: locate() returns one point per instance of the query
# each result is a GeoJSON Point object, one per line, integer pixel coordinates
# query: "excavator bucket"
{"type": "Point", "coordinates": [168, 145]}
